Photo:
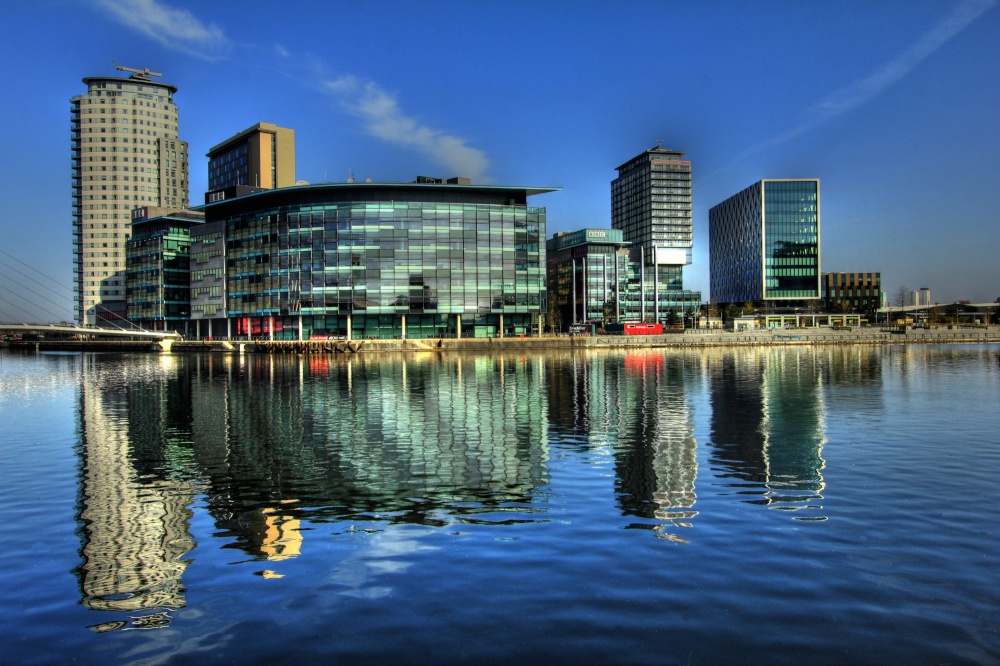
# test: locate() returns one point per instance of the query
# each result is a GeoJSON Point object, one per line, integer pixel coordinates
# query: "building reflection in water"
{"type": "Point", "coordinates": [270, 442]}
{"type": "Point", "coordinates": [423, 439]}
{"type": "Point", "coordinates": [768, 425]}
{"type": "Point", "coordinates": [135, 493]}
{"type": "Point", "coordinates": [638, 405]}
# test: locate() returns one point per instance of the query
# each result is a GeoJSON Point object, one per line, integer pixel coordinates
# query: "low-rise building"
{"type": "Point", "coordinates": [852, 292]}
{"type": "Point", "coordinates": [378, 260]}
{"type": "Point", "coordinates": [208, 280]}
{"type": "Point", "coordinates": [157, 278]}
{"type": "Point", "coordinates": [594, 277]}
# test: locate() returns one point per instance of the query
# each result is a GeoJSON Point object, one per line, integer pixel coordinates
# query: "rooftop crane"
{"type": "Point", "coordinates": [142, 74]}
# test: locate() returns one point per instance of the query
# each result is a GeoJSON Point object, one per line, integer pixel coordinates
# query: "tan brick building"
{"type": "Point", "coordinates": [259, 156]}
{"type": "Point", "coordinates": [125, 153]}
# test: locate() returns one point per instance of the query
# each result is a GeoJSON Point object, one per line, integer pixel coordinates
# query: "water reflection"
{"type": "Point", "coordinates": [134, 511]}
{"type": "Point", "coordinates": [269, 446]}
{"type": "Point", "coordinates": [417, 440]}
{"type": "Point", "coordinates": [638, 405]}
{"type": "Point", "coordinates": [426, 440]}
{"type": "Point", "coordinates": [767, 425]}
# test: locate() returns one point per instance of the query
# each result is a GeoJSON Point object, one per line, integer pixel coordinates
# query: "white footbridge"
{"type": "Point", "coordinates": [87, 332]}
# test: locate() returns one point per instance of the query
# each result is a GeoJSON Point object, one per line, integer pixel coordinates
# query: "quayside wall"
{"type": "Point", "coordinates": [675, 340]}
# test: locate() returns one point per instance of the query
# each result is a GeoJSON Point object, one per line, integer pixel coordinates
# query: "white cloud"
{"type": "Point", "coordinates": [861, 91]}
{"type": "Point", "coordinates": [178, 29]}
{"type": "Point", "coordinates": [384, 120]}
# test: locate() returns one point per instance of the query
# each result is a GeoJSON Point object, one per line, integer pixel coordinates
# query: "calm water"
{"type": "Point", "coordinates": [798, 505]}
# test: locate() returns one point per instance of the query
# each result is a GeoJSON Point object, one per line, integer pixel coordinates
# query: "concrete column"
{"type": "Point", "coordinates": [300, 328]}
{"type": "Point", "coordinates": [656, 289]}
{"type": "Point", "coordinates": [197, 328]}
{"type": "Point", "coordinates": [501, 326]}
{"type": "Point", "coordinates": [573, 283]}
{"type": "Point", "coordinates": [348, 328]}
{"type": "Point", "coordinates": [618, 292]}
{"type": "Point", "coordinates": [270, 329]}
{"type": "Point", "coordinates": [642, 283]}
{"type": "Point", "coordinates": [458, 326]}
{"type": "Point", "coordinates": [403, 321]}
{"type": "Point", "coordinates": [229, 328]}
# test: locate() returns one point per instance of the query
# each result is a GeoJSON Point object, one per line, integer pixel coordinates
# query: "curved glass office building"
{"type": "Point", "coordinates": [382, 260]}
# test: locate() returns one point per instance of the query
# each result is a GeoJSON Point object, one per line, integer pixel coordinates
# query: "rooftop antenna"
{"type": "Point", "coordinates": [658, 146]}
{"type": "Point", "coordinates": [141, 74]}
{"type": "Point", "coordinates": [350, 175]}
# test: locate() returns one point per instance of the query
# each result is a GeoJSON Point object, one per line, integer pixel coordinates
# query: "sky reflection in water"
{"type": "Point", "coordinates": [475, 497]}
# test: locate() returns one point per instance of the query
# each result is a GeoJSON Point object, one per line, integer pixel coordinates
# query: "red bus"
{"type": "Point", "coordinates": [634, 329]}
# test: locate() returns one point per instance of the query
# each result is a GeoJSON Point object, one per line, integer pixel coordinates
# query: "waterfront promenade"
{"type": "Point", "coordinates": [690, 338]}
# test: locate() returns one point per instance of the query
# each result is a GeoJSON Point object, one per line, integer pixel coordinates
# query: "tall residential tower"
{"type": "Point", "coordinates": [125, 153]}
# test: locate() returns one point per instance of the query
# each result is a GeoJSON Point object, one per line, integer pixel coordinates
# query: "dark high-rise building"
{"type": "Point", "coordinates": [651, 205]}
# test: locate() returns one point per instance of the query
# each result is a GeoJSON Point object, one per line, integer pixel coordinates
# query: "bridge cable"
{"type": "Point", "coordinates": [60, 294]}
{"type": "Point", "coordinates": [23, 310]}
{"type": "Point", "coordinates": [26, 288]}
{"type": "Point", "coordinates": [58, 284]}
{"type": "Point", "coordinates": [132, 325]}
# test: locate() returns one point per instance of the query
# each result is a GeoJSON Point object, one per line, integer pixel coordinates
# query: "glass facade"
{"type": "Point", "coordinates": [157, 278]}
{"type": "Point", "coordinates": [208, 280]}
{"type": "Point", "coordinates": [362, 261]}
{"type": "Point", "coordinates": [791, 239]}
{"type": "Point", "coordinates": [594, 277]}
{"type": "Point", "coordinates": [764, 243]}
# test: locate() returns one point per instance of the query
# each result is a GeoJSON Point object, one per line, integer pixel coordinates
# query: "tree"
{"type": "Point", "coordinates": [609, 311]}
{"type": "Point", "coordinates": [902, 296]}
{"type": "Point", "coordinates": [554, 319]}
{"type": "Point", "coordinates": [691, 315]}
{"type": "Point", "coordinates": [672, 317]}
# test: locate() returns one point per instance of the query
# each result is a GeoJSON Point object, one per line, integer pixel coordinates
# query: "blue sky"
{"type": "Point", "coordinates": [894, 105]}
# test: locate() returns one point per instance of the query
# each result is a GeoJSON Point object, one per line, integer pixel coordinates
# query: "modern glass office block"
{"type": "Point", "coordinates": [594, 277]}
{"type": "Point", "coordinates": [157, 272]}
{"type": "Point", "coordinates": [764, 243]}
{"type": "Point", "coordinates": [384, 260]}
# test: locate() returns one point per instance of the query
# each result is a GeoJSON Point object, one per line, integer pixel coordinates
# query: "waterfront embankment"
{"type": "Point", "coordinates": [691, 338]}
